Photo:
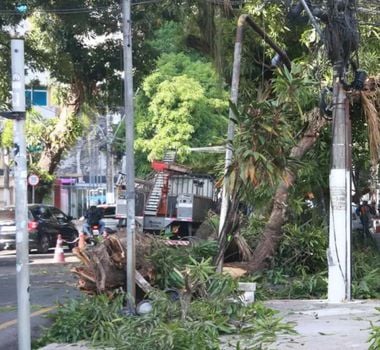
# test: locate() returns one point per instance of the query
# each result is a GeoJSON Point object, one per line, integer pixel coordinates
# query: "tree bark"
{"type": "Point", "coordinates": [104, 266]}
{"type": "Point", "coordinates": [268, 243]}
{"type": "Point", "coordinates": [57, 142]}
{"type": "Point", "coordinates": [60, 139]}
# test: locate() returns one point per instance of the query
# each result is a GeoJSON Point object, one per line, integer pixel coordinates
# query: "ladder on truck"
{"type": "Point", "coordinates": [160, 180]}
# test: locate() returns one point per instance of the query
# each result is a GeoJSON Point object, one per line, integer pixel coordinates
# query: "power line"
{"type": "Point", "coordinates": [77, 10]}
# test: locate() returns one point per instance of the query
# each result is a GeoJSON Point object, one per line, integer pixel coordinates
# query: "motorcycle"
{"type": "Point", "coordinates": [94, 230]}
{"type": "Point", "coordinates": [95, 235]}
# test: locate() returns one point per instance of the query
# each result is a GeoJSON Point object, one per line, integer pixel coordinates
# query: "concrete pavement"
{"type": "Point", "coordinates": [49, 283]}
{"type": "Point", "coordinates": [324, 326]}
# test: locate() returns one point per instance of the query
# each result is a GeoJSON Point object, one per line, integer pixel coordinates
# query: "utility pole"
{"type": "Point", "coordinates": [22, 240]}
{"type": "Point", "coordinates": [129, 154]}
{"type": "Point", "coordinates": [109, 166]}
{"type": "Point", "coordinates": [342, 39]}
{"type": "Point", "coordinates": [339, 252]}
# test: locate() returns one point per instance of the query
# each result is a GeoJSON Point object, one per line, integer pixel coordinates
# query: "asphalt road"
{"type": "Point", "coordinates": [50, 283]}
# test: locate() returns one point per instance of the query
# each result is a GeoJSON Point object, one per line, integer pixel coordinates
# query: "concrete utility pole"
{"type": "Point", "coordinates": [109, 166]}
{"type": "Point", "coordinates": [339, 252]}
{"type": "Point", "coordinates": [129, 154]}
{"type": "Point", "coordinates": [342, 39]}
{"type": "Point", "coordinates": [22, 240]}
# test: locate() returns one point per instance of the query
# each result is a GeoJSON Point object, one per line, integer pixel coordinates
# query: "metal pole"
{"type": "Point", "coordinates": [22, 243]}
{"type": "Point", "coordinates": [33, 193]}
{"type": "Point", "coordinates": [339, 260]}
{"type": "Point", "coordinates": [231, 125]}
{"type": "Point", "coordinates": [109, 193]}
{"type": "Point", "coordinates": [129, 153]}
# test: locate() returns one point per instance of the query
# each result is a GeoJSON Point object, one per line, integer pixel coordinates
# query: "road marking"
{"type": "Point", "coordinates": [36, 313]}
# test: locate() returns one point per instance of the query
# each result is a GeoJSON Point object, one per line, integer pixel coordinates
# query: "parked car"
{"type": "Point", "coordinates": [45, 222]}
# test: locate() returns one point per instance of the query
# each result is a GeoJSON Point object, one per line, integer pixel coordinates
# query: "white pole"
{"type": "Point", "coordinates": [231, 125]}
{"type": "Point", "coordinates": [109, 172]}
{"type": "Point", "coordinates": [22, 243]}
{"type": "Point", "coordinates": [129, 154]}
{"type": "Point", "coordinates": [339, 251]}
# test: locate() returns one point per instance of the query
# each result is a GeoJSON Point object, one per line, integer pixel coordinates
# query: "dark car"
{"type": "Point", "coordinates": [45, 222]}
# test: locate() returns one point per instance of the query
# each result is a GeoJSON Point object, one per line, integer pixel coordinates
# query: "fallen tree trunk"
{"type": "Point", "coordinates": [104, 265]}
{"type": "Point", "coordinates": [272, 233]}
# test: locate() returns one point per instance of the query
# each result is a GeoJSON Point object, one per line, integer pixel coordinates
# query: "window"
{"type": "Point", "coordinates": [41, 212]}
{"type": "Point", "coordinates": [59, 215]}
{"type": "Point", "coordinates": [109, 212]}
{"type": "Point", "coordinates": [36, 97]}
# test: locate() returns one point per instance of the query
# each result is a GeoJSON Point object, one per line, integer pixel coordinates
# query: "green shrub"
{"type": "Point", "coordinates": [366, 267]}
{"type": "Point", "coordinates": [101, 322]}
{"type": "Point", "coordinates": [302, 249]}
{"type": "Point", "coordinates": [167, 259]}
{"type": "Point", "coordinates": [374, 338]}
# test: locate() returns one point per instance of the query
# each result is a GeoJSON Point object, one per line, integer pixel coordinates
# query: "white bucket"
{"type": "Point", "coordinates": [248, 289]}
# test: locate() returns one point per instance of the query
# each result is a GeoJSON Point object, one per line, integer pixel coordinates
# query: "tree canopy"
{"type": "Point", "coordinates": [183, 54]}
{"type": "Point", "coordinates": [182, 104]}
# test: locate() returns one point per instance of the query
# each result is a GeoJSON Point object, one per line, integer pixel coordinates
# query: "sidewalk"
{"type": "Point", "coordinates": [324, 326]}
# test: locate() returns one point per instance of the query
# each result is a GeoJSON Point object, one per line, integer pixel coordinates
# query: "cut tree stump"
{"type": "Point", "coordinates": [104, 265]}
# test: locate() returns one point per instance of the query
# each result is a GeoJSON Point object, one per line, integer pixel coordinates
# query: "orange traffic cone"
{"type": "Point", "coordinates": [59, 256]}
{"type": "Point", "coordinates": [82, 241]}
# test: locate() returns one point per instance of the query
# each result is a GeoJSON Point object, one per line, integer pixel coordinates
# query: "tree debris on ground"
{"type": "Point", "coordinates": [103, 268]}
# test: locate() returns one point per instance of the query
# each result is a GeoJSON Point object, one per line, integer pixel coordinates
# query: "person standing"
{"type": "Point", "coordinates": [93, 216]}
{"type": "Point", "coordinates": [365, 212]}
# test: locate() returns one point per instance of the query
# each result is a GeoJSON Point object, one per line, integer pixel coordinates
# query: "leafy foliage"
{"type": "Point", "coordinates": [4, 77]}
{"type": "Point", "coordinates": [266, 132]}
{"type": "Point", "coordinates": [303, 248]}
{"type": "Point", "coordinates": [295, 90]}
{"type": "Point", "coordinates": [168, 261]}
{"type": "Point", "coordinates": [181, 105]}
{"type": "Point", "coordinates": [169, 38]}
{"type": "Point", "coordinates": [299, 269]}
{"type": "Point", "coordinates": [374, 338]}
{"type": "Point", "coordinates": [103, 323]}
{"type": "Point", "coordinates": [366, 267]}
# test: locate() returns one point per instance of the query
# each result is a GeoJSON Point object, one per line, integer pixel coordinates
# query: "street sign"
{"type": "Point", "coordinates": [33, 180]}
